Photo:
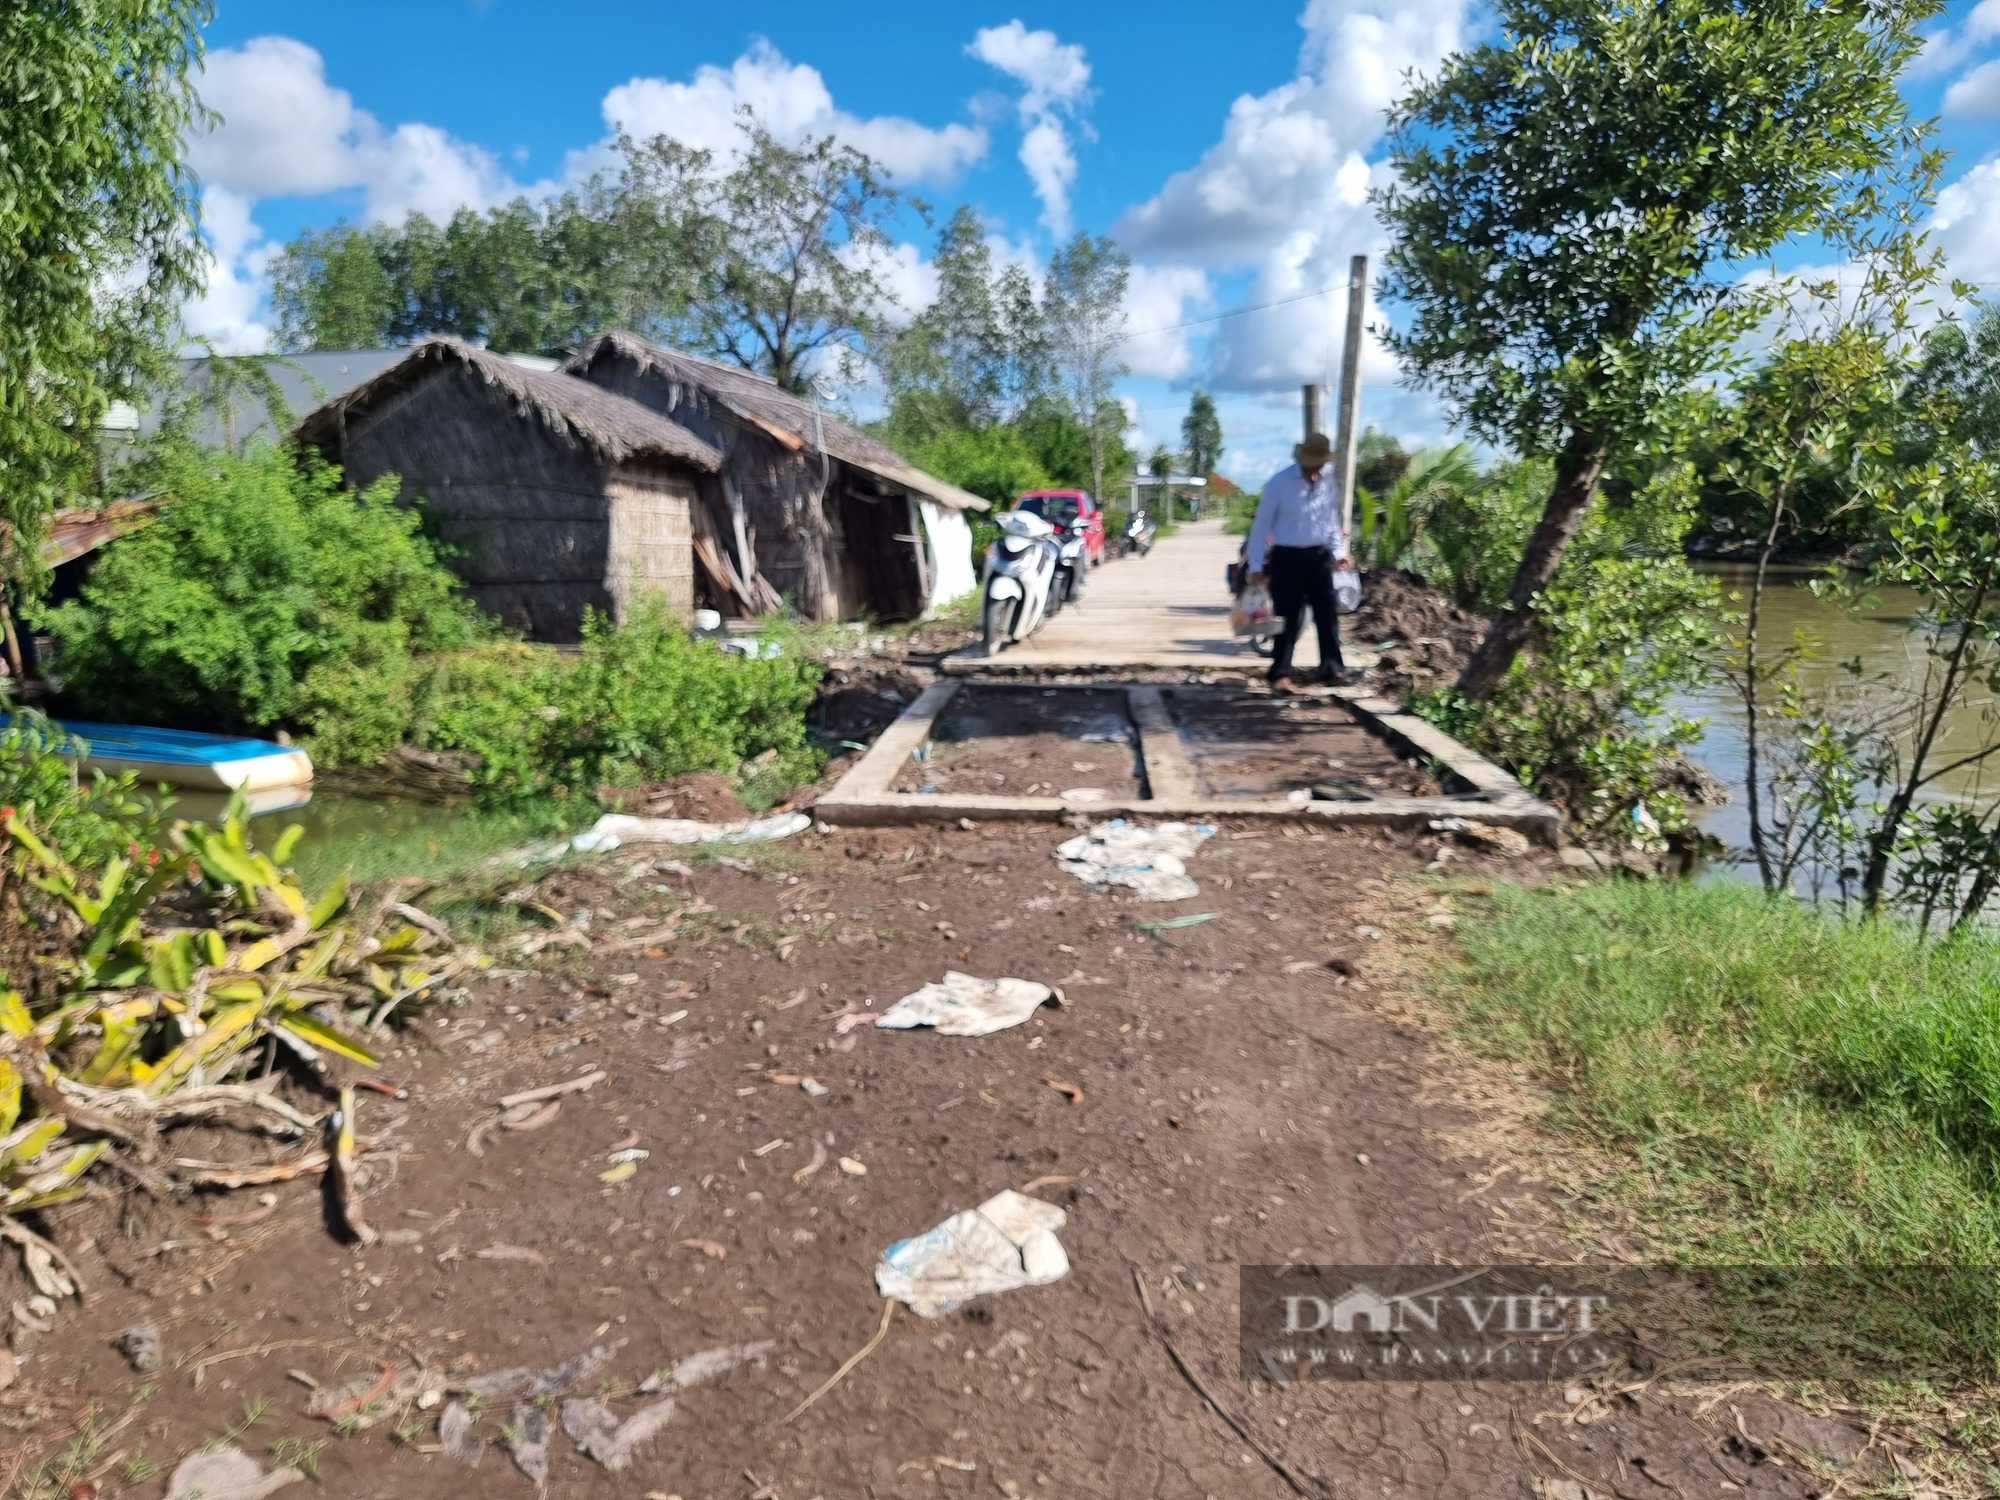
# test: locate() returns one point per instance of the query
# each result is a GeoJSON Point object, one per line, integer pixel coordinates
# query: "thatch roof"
{"type": "Point", "coordinates": [572, 409]}
{"type": "Point", "coordinates": [761, 401]}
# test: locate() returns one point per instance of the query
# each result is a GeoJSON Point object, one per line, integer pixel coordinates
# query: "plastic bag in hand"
{"type": "Point", "coordinates": [1252, 614]}
{"type": "Point", "coordinates": [1346, 590]}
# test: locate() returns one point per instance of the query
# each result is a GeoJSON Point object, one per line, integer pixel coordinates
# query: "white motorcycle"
{"type": "Point", "coordinates": [1019, 579]}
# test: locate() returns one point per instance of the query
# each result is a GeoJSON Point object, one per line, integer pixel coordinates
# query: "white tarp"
{"type": "Point", "coordinates": [1152, 862]}
{"type": "Point", "coordinates": [964, 1006]}
{"type": "Point", "coordinates": [950, 536]}
{"type": "Point", "coordinates": [1008, 1241]}
{"type": "Point", "coordinates": [614, 829]}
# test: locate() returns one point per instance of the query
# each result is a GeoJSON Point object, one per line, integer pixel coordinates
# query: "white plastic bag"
{"type": "Point", "coordinates": [1252, 613]}
{"type": "Point", "coordinates": [1346, 590]}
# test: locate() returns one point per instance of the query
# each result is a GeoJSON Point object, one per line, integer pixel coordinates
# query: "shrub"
{"type": "Point", "coordinates": [264, 595]}
{"type": "Point", "coordinates": [85, 819]}
{"type": "Point", "coordinates": [1583, 716]}
{"type": "Point", "coordinates": [638, 703]}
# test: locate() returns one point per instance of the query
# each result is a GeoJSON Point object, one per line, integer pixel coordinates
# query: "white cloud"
{"type": "Point", "coordinates": [1055, 81]}
{"type": "Point", "coordinates": [1948, 46]}
{"type": "Point", "coordinates": [1285, 189]}
{"type": "Point", "coordinates": [1967, 223]}
{"type": "Point", "coordinates": [1977, 92]}
{"type": "Point", "coordinates": [229, 312]}
{"type": "Point", "coordinates": [793, 102]}
{"type": "Point", "coordinates": [1157, 299]}
{"type": "Point", "coordinates": [286, 130]}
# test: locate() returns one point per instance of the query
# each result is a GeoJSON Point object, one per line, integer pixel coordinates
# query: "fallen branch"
{"type": "Point", "coordinates": [888, 1312]}
{"type": "Point", "coordinates": [224, 1174]}
{"type": "Point", "coordinates": [554, 1090]}
{"type": "Point", "coordinates": [14, 1230]}
{"type": "Point", "coordinates": [1312, 1491]}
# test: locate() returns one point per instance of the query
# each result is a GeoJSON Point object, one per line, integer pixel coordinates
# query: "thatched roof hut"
{"type": "Point", "coordinates": [554, 494]}
{"type": "Point", "coordinates": [805, 506]}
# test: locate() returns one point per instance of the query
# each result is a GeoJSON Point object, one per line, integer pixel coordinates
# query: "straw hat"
{"type": "Point", "coordinates": [1314, 453]}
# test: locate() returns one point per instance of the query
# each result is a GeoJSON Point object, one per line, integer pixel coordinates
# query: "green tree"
{"type": "Point", "coordinates": [996, 463]}
{"type": "Point", "coordinates": [98, 216]}
{"type": "Point", "coordinates": [1201, 434]}
{"type": "Point", "coordinates": [1574, 203]}
{"type": "Point", "coordinates": [780, 250]}
{"type": "Point", "coordinates": [1083, 308]}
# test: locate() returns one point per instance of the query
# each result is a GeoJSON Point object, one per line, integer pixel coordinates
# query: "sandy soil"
{"type": "Point", "coordinates": [1238, 1102]}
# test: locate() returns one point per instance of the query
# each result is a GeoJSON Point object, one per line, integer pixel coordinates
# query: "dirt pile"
{"type": "Point", "coordinates": [705, 796]}
{"type": "Point", "coordinates": [1425, 637]}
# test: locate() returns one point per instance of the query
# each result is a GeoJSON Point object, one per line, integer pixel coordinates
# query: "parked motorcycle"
{"type": "Point", "coordinates": [1072, 565]}
{"type": "Point", "coordinates": [1019, 580]}
{"type": "Point", "coordinates": [1139, 534]}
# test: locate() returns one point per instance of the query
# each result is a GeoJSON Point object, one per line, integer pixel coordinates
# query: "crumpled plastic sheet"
{"type": "Point", "coordinates": [962, 1005]}
{"type": "Point", "coordinates": [1152, 862]}
{"type": "Point", "coordinates": [615, 829]}
{"type": "Point", "coordinates": [1009, 1241]}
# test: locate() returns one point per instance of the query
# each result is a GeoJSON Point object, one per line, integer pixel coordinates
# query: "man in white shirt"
{"type": "Point", "coordinates": [1295, 544]}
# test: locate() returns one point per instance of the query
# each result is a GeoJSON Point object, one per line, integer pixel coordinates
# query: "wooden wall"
{"type": "Point", "coordinates": [530, 515]}
{"type": "Point", "coordinates": [652, 537]}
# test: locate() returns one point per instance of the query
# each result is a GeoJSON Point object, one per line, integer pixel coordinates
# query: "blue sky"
{"type": "Point", "coordinates": [1229, 149]}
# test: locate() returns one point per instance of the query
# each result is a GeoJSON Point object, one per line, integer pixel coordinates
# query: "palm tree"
{"type": "Point", "coordinates": [1390, 525]}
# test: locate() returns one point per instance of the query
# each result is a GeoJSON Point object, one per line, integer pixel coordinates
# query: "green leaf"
{"type": "Point", "coordinates": [315, 1032]}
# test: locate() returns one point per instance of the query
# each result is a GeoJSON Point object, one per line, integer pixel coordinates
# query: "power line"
{"type": "Point", "coordinates": [1234, 312]}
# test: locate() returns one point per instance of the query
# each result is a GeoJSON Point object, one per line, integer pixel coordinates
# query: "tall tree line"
{"type": "Point", "coordinates": [1000, 385]}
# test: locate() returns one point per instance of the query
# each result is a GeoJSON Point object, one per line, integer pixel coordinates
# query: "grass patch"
{"type": "Point", "coordinates": [382, 840]}
{"type": "Point", "coordinates": [1781, 1085]}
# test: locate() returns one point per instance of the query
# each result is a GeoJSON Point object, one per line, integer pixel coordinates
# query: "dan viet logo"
{"type": "Point", "coordinates": [1458, 1325]}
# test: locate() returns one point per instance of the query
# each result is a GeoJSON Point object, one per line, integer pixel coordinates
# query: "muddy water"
{"type": "Point", "coordinates": [1888, 642]}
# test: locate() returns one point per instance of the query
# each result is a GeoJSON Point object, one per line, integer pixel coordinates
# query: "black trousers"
{"type": "Point", "coordinates": [1302, 577]}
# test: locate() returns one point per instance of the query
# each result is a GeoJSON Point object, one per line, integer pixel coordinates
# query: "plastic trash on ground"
{"type": "Point", "coordinates": [615, 829]}
{"type": "Point", "coordinates": [1152, 862]}
{"type": "Point", "coordinates": [961, 1005]}
{"type": "Point", "coordinates": [1008, 1241]}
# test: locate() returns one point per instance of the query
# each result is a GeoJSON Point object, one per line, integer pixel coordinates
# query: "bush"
{"type": "Point", "coordinates": [637, 704]}
{"type": "Point", "coordinates": [264, 595]}
{"type": "Point", "coordinates": [1582, 715]}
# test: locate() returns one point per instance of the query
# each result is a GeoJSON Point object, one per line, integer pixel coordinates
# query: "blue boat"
{"type": "Point", "coordinates": [197, 762]}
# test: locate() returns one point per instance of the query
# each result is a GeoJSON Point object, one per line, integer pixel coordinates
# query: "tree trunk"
{"type": "Point", "coordinates": [1751, 749]}
{"type": "Point", "coordinates": [1577, 471]}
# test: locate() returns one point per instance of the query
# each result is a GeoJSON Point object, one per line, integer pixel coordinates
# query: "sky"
{"type": "Point", "coordinates": [1229, 150]}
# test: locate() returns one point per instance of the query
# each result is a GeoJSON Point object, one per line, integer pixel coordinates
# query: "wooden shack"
{"type": "Point", "coordinates": [805, 508]}
{"type": "Point", "coordinates": [554, 494]}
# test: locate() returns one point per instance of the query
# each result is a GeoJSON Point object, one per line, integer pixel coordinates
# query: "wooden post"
{"type": "Point", "coordinates": [1350, 388]}
{"type": "Point", "coordinates": [1309, 398]}
{"type": "Point", "coordinates": [15, 663]}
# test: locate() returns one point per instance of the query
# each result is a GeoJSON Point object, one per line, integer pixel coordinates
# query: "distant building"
{"type": "Point", "coordinates": [555, 494]}
{"type": "Point", "coordinates": [805, 506]}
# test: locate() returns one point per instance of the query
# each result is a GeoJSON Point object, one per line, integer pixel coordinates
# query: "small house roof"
{"type": "Point", "coordinates": [762, 402]}
{"type": "Point", "coordinates": [576, 410]}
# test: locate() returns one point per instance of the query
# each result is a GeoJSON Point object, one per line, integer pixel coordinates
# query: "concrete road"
{"type": "Point", "coordinates": [1169, 608]}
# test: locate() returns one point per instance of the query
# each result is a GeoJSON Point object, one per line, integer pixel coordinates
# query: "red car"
{"type": "Point", "coordinates": [1061, 508]}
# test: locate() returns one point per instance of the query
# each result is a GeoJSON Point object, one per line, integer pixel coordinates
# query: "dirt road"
{"type": "Point", "coordinates": [1225, 1099]}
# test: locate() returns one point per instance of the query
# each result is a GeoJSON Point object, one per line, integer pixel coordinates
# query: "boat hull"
{"type": "Point", "coordinates": [198, 762]}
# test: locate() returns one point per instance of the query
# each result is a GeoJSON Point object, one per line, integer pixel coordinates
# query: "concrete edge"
{"type": "Point", "coordinates": [1169, 773]}
{"type": "Point", "coordinates": [905, 808]}
{"type": "Point", "coordinates": [870, 776]}
{"type": "Point", "coordinates": [862, 797]}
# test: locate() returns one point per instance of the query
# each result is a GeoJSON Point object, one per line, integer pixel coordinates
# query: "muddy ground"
{"type": "Point", "coordinates": [1026, 742]}
{"type": "Point", "coordinates": [1227, 1099]}
{"type": "Point", "coordinates": [1248, 744]}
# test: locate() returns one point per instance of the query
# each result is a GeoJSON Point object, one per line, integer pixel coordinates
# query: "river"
{"type": "Point", "coordinates": [1887, 640]}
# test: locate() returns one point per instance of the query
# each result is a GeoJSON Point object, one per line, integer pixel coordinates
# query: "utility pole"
{"type": "Point", "coordinates": [1350, 389]}
{"type": "Point", "coordinates": [1309, 392]}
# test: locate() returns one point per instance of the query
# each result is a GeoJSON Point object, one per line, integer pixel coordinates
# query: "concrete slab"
{"type": "Point", "coordinates": [862, 798]}
{"type": "Point", "coordinates": [1168, 609]}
